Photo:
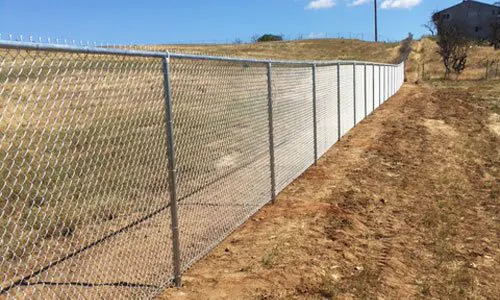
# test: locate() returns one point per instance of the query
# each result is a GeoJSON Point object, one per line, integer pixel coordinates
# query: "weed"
{"type": "Point", "coordinates": [267, 261]}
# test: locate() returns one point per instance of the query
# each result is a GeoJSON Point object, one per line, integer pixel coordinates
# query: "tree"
{"type": "Point", "coordinates": [496, 35]}
{"type": "Point", "coordinates": [453, 46]}
{"type": "Point", "coordinates": [431, 27]}
{"type": "Point", "coordinates": [405, 48]}
{"type": "Point", "coordinates": [269, 38]}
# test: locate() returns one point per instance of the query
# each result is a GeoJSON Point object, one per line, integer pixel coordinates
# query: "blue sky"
{"type": "Point", "coordinates": [191, 21]}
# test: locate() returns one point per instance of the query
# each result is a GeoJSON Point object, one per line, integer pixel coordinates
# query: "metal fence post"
{"type": "Point", "coordinates": [383, 85]}
{"type": "Point", "coordinates": [392, 80]}
{"type": "Point", "coordinates": [176, 257]}
{"type": "Point", "coordinates": [271, 132]}
{"type": "Point", "coordinates": [389, 79]}
{"type": "Point", "coordinates": [379, 85]}
{"type": "Point", "coordinates": [338, 102]}
{"type": "Point", "coordinates": [389, 83]}
{"type": "Point", "coordinates": [354, 89]}
{"type": "Point", "coordinates": [366, 94]}
{"type": "Point", "coordinates": [373, 86]}
{"type": "Point", "coordinates": [315, 116]}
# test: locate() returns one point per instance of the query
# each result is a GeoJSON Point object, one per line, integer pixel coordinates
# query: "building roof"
{"type": "Point", "coordinates": [468, 1]}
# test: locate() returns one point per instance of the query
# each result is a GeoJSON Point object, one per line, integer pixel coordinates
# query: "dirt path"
{"type": "Point", "coordinates": [405, 206]}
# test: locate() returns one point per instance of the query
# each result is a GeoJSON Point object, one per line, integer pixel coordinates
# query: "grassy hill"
{"type": "Point", "coordinates": [424, 62]}
{"type": "Point", "coordinates": [321, 49]}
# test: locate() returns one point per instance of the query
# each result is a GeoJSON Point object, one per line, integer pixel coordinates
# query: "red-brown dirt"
{"type": "Point", "coordinates": [404, 206]}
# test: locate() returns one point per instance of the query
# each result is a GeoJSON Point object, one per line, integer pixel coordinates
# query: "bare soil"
{"type": "Point", "coordinates": [405, 206]}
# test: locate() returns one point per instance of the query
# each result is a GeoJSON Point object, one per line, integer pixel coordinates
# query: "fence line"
{"type": "Point", "coordinates": [120, 168]}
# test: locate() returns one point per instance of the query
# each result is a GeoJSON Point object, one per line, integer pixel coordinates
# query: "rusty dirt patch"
{"type": "Point", "coordinates": [405, 206]}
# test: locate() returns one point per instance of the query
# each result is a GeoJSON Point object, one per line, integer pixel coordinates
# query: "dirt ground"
{"type": "Point", "coordinates": [405, 206]}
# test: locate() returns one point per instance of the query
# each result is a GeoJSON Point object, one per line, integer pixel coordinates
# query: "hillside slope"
{"type": "Point", "coordinates": [322, 49]}
{"type": "Point", "coordinates": [424, 62]}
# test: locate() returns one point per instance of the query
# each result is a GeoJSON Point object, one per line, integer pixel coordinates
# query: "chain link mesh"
{"type": "Point", "coordinates": [346, 98]}
{"type": "Point", "coordinates": [293, 122]}
{"type": "Point", "coordinates": [360, 93]}
{"type": "Point", "coordinates": [383, 87]}
{"type": "Point", "coordinates": [83, 168]}
{"type": "Point", "coordinates": [222, 149]}
{"type": "Point", "coordinates": [378, 84]}
{"type": "Point", "coordinates": [387, 81]}
{"type": "Point", "coordinates": [327, 111]}
{"type": "Point", "coordinates": [84, 194]}
{"type": "Point", "coordinates": [369, 89]}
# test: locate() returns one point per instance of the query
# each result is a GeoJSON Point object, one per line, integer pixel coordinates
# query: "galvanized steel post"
{"type": "Point", "coordinates": [391, 88]}
{"type": "Point", "coordinates": [366, 94]}
{"type": "Point", "coordinates": [354, 90]}
{"type": "Point", "coordinates": [379, 85]}
{"type": "Point", "coordinates": [373, 87]}
{"type": "Point", "coordinates": [391, 85]}
{"type": "Point", "coordinates": [271, 131]}
{"type": "Point", "coordinates": [393, 80]}
{"type": "Point", "coordinates": [315, 117]}
{"type": "Point", "coordinates": [386, 83]}
{"type": "Point", "coordinates": [383, 85]}
{"type": "Point", "coordinates": [390, 81]}
{"type": "Point", "coordinates": [338, 102]}
{"type": "Point", "coordinates": [176, 257]}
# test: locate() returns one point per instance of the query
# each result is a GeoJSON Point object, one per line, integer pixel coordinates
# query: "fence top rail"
{"type": "Point", "coordinates": [128, 52]}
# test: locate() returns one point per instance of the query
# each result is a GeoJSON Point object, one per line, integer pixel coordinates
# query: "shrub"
{"type": "Point", "coordinates": [453, 46]}
{"type": "Point", "coordinates": [496, 35]}
{"type": "Point", "coordinates": [269, 38]}
{"type": "Point", "coordinates": [405, 48]}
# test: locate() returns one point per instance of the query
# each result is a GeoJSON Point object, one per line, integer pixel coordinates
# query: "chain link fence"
{"type": "Point", "coordinates": [119, 169]}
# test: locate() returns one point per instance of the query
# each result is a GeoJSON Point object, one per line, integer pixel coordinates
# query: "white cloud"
{"type": "Point", "coordinates": [320, 4]}
{"type": "Point", "coordinates": [359, 2]}
{"type": "Point", "coordinates": [388, 4]}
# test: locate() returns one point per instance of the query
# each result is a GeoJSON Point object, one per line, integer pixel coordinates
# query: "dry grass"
{"type": "Point", "coordinates": [425, 63]}
{"type": "Point", "coordinates": [79, 135]}
{"type": "Point", "coordinates": [324, 49]}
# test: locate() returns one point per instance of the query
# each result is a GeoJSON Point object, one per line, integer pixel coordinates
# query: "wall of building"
{"type": "Point", "coordinates": [473, 18]}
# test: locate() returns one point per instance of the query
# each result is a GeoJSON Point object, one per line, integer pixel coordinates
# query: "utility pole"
{"type": "Point", "coordinates": [376, 22]}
